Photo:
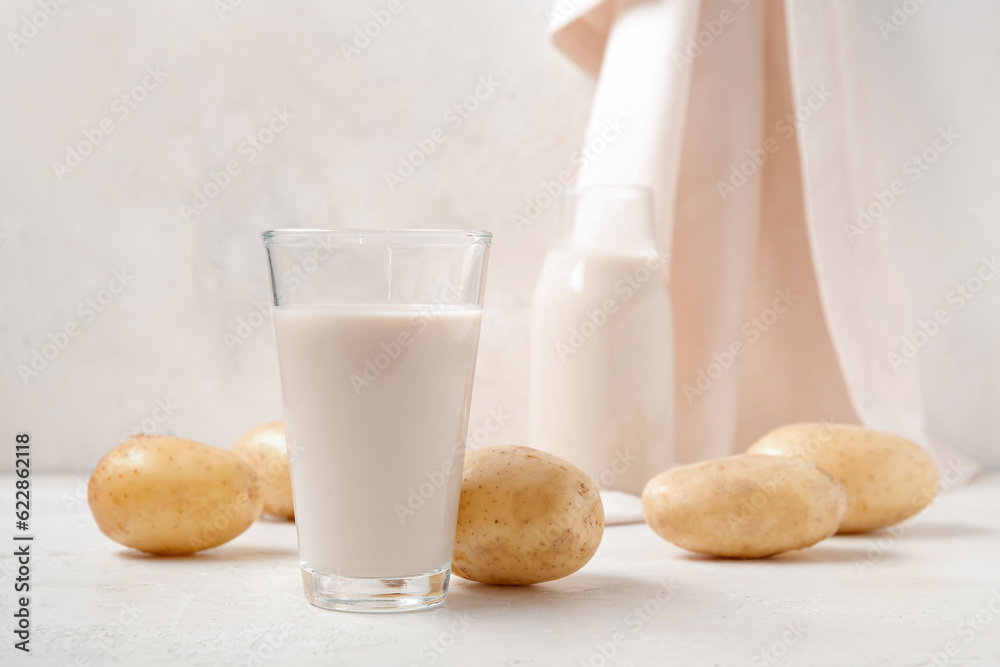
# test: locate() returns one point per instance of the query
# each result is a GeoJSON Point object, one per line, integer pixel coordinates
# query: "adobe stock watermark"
{"type": "Point", "coordinates": [275, 469]}
{"type": "Point", "coordinates": [432, 650]}
{"type": "Point", "coordinates": [913, 170]}
{"type": "Point", "coordinates": [769, 488]}
{"type": "Point", "coordinates": [709, 31]}
{"type": "Point", "coordinates": [77, 497]}
{"type": "Point", "coordinates": [480, 436]}
{"type": "Point", "coordinates": [375, 365]}
{"type": "Point", "coordinates": [623, 461]}
{"type": "Point", "coordinates": [623, 290]}
{"type": "Point", "coordinates": [454, 117]}
{"type": "Point", "coordinates": [879, 546]}
{"type": "Point", "coordinates": [87, 310]}
{"type": "Point", "coordinates": [163, 409]}
{"type": "Point", "coordinates": [236, 509]}
{"type": "Point", "coordinates": [967, 630]}
{"type": "Point", "coordinates": [568, 520]}
{"type": "Point", "coordinates": [364, 34]}
{"type": "Point", "coordinates": [785, 127]}
{"type": "Point", "coordinates": [591, 150]}
{"type": "Point", "coordinates": [561, 11]}
{"type": "Point", "coordinates": [391, 350]}
{"type": "Point", "coordinates": [775, 653]}
{"type": "Point", "coordinates": [900, 15]}
{"type": "Point", "coordinates": [264, 649]}
{"type": "Point", "coordinates": [751, 330]}
{"type": "Point", "coordinates": [247, 151]}
{"type": "Point", "coordinates": [247, 325]}
{"type": "Point", "coordinates": [562, 524]}
{"type": "Point", "coordinates": [288, 282]}
{"type": "Point", "coordinates": [121, 108]}
{"type": "Point", "coordinates": [224, 8]}
{"type": "Point", "coordinates": [635, 620]}
{"type": "Point", "coordinates": [220, 522]}
{"type": "Point", "coordinates": [418, 495]}
{"type": "Point", "coordinates": [957, 298]}
{"type": "Point", "coordinates": [32, 24]}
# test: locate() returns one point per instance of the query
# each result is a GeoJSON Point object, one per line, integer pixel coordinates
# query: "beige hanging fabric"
{"type": "Point", "coordinates": [750, 121]}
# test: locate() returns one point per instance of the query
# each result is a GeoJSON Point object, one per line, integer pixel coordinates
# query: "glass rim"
{"type": "Point", "coordinates": [359, 236]}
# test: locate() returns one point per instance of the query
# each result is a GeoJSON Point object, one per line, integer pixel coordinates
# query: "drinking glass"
{"type": "Point", "coordinates": [377, 334]}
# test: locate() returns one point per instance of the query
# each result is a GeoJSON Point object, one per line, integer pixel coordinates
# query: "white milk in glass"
{"type": "Point", "coordinates": [602, 365]}
{"type": "Point", "coordinates": [376, 410]}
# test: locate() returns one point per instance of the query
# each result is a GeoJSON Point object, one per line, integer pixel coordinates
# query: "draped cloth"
{"type": "Point", "coordinates": [750, 120]}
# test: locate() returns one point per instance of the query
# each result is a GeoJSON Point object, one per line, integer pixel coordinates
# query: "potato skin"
{"type": "Point", "coordinates": [170, 496]}
{"type": "Point", "coordinates": [524, 517]}
{"type": "Point", "coordinates": [744, 506]}
{"type": "Point", "coordinates": [887, 477]}
{"type": "Point", "coordinates": [265, 450]}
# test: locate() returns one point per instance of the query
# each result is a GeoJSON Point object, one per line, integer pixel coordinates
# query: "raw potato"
{"type": "Point", "coordinates": [524, 517]}
{"type": "Point", "coordinates": [171, 496]}
{"type": "Point", "coordinates": [265, 450]}
{"type": "Point", "coordinates": [887, 477]}
{"type": "Point", "coordinates": [745, 506]}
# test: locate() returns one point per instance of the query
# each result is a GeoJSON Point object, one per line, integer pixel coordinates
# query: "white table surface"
{"type": "Point", "coordinates": [880, 599]}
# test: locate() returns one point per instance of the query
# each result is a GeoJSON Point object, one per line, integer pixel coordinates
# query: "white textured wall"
{"type": "Point", "coordinates": [162, 337]}
{"type": "Point", "coordinates": [161, 340]}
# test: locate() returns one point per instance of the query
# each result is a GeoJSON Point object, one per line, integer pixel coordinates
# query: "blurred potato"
{"type": "Point", "coordinates": [265, 449]}
{"type": "Point", "coordinates": [171, 496]}
{"type": "Point", "coordinates": [744, 506]}
{"type": "Point", "coordinates": [887, 477]}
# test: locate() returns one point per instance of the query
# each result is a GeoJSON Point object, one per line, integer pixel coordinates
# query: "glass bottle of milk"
{"type": "Point", "coordinates": [601, 389]}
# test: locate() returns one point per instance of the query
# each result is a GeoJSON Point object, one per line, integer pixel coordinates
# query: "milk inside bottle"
{"type": "Point", "coordinates": [601, 376]}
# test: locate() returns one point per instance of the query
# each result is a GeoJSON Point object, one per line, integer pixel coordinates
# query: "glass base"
{"type": "Point", "coordinates": [422, 591]}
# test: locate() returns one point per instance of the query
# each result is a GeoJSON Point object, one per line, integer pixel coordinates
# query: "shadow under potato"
{"type": "Point", "coordinates": [817, 554]}
{"type": "Point", "coordinates": [553, 596]}
{"type": "Point", "coordinates": [920, 530]}
{"type": "Point", "coordinates": [220, 553]}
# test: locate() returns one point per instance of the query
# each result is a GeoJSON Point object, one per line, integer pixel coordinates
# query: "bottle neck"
{"type": "Point", "coordinates": [606, 220]}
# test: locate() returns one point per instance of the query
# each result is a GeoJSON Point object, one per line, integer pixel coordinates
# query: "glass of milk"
{"type": "Point", "coordinates": [377, 333]}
